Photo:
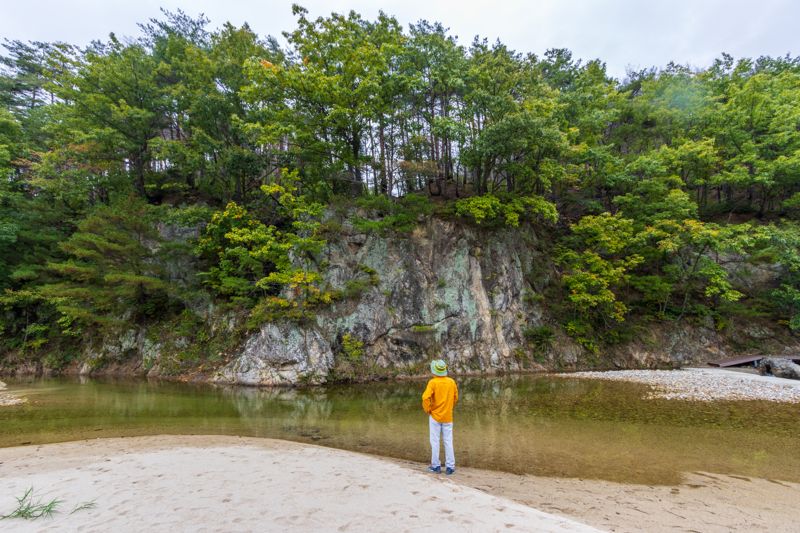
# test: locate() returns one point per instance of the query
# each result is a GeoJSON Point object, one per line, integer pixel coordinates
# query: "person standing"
{"type": "Point", "coordinates": [438, 400]}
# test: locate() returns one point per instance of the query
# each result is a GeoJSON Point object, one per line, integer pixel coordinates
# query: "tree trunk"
{"type": "Point", "coordinates": [382, 142]}
{"type": "Point", "coordinates": [138, 174]}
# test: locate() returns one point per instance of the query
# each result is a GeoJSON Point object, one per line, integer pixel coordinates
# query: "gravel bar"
{"type": "Point", "coordinates": [703, 384]}
{"type": "Point", "coordinates": [7, 399]}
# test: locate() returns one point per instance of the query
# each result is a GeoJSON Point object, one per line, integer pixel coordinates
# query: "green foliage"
{"type": "Point", "coordinates": [584, 334]}
{"type": "Point", "coordinates": [56, 360]}
{"type": "Point", "coordinates": [655, 290]}
{"type": "Point", "coordinates": [400, 215]}
{"type": "Point", "coordinates": [653, 263]}
{"type": "Point", "coordinates": [692, 268]}
{"type": "Point", "coordinates": [781, 244]}
{"type": "Point", "coordinates": [595, 274]}
{"type": "Point", "coordinates": [653, 200]}
{"type": "Point", "coordinates": [792, 205]}
{"type": "Point", "coordinates": [26, 320]}
{"type": "Point", "coordinates": [187, 216]}
{"type": "Point", "coordinates": [109, 274]}
{"type": "Point", "coordinates": [219, 129]}
{"type": "Point", "coordinates": [30, 509]}
{"type": "Point", "coordinates": [241, 251]}
{"type": "Point", "coordinates": [252, 261]}
{"type": "Point", "coordinates": [540, 337]}
{"type": "Point", "coordinates": [263, 266]}
{"type": "Point", "coordinates": [356, 287]}
{"type": "Point", "coordinates": [352, 348]}
{"type": "Point", "coordinates": [532, 298]}
{"type": "Point", "coordinates": [489, 210]}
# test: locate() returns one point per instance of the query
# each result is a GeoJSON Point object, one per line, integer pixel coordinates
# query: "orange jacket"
{"type": "Point", "coordinates": [439, 398]}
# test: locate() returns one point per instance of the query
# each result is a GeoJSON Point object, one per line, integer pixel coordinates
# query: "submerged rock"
{"type": "Point", "coordinates": [779, 367]}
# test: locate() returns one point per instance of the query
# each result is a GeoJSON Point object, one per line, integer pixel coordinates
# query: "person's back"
{"type": "Point", "coordinates": [439, 398]}
{"type": "Point", "coordinates": [438, 401]}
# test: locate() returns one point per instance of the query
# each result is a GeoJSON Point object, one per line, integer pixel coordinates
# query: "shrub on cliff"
{"type": "Point", "coordinates": [268, 268]}
{"type": "Point", "coordinates": [492, 210]}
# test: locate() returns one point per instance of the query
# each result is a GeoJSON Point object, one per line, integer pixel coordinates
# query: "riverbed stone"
{"type": "Point", "coordinates": [7, 399]}
{"type": "Point", "coordinates": [779, 367]}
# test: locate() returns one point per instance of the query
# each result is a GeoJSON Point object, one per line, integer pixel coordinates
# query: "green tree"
{"type": "Point", "coordinates": [273, 268]}
{"type": "Point", "coordinates": [110, 276]}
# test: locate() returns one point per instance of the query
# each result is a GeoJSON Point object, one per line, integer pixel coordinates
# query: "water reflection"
{"type": "Point", "coordinates": [548, 426]}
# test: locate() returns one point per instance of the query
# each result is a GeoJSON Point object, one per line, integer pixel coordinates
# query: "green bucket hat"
{"type": "Point", "coordinates": [439, 367]}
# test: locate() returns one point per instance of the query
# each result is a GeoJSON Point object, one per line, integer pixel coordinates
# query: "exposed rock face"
{"type": "Point", "coordinates": [670, 345]}
{"type": "Point", "coordinates": [779, 367]}
{"type": "Point", "coordinates": [450, 291]}
{"type": "Point", "coordinates": [280, 355]}
{"type": "Point", "coordinates": [120, 348]}
{"type": "Point", "coordinates": [447, 290]}
{"type": "Point", "coordinates": [444, 290]}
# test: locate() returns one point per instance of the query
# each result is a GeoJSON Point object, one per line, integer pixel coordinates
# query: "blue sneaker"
{"type": "Point", "coordinates": [450, 471]}
{"type": "Point", "coordinates": [435, 469]}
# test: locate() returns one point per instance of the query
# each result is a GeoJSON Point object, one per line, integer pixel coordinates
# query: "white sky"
{"type": "Point", "coordinates": [623, 33]}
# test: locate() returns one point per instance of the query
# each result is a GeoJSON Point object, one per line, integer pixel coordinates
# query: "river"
{"type": "Point", "coordinates": [521, 424]}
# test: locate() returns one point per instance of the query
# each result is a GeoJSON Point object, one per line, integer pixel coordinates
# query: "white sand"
{"type": "Point", "coordinates": [210, 483]}
{"type": "Point", "coordinates": [703, 501]}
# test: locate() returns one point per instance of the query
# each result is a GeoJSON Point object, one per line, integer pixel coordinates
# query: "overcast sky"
{"type": "Point", "coordinates": [623, 33]}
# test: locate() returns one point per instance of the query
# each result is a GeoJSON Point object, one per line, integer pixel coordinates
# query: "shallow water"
{"type": "Point", "coordinates": [523, 424]}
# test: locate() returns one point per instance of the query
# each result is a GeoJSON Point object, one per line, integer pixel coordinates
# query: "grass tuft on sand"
{"type": "Point", "coordinates": [28, 508]}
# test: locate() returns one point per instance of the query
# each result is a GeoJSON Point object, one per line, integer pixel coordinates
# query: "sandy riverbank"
{"type": "Point", "coordinates": [706, 502]}
{"type": "Point", "coordinates": [210, 483]}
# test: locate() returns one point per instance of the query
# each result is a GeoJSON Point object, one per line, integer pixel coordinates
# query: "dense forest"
{"type": "Point", "coordinates": [655, 193]}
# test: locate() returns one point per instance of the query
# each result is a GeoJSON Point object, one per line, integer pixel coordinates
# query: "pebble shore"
{"type": "Point", "coordinates": [703, 384]}
{"type": "Point", "coordinates": [8, 399]}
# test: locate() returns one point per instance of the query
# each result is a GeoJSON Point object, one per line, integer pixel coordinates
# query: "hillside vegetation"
{"type": "Point", "coordinates": [658, 197]}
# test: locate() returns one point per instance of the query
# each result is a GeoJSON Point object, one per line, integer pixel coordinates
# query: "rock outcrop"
{"type": "Point", "coordinates": [444, 290]}
{"type": "Point", "coordinates": [779, 367]}
{"type": "Point", "coordinates": [450, 291]}
{"type": "Point", "coordinates": [477, 298]}
{"type": "Point", "coordinates": [280, 354]}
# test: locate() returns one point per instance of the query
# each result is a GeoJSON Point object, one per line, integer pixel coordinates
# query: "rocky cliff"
{"type": "Point", "coordinates": [473, 297]}
{"type": "Point", "coordinates": [442, 290]}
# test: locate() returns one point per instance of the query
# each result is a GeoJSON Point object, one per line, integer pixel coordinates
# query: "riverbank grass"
{"type": "Point", "coordinates": [29, 508]}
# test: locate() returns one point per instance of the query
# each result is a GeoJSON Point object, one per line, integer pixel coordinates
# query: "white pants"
{"type": "Point", "coordinates": [436, 429]}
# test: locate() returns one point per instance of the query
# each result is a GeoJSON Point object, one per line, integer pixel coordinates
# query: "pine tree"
{"type": "Point", "coordinates": [110, 274]}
